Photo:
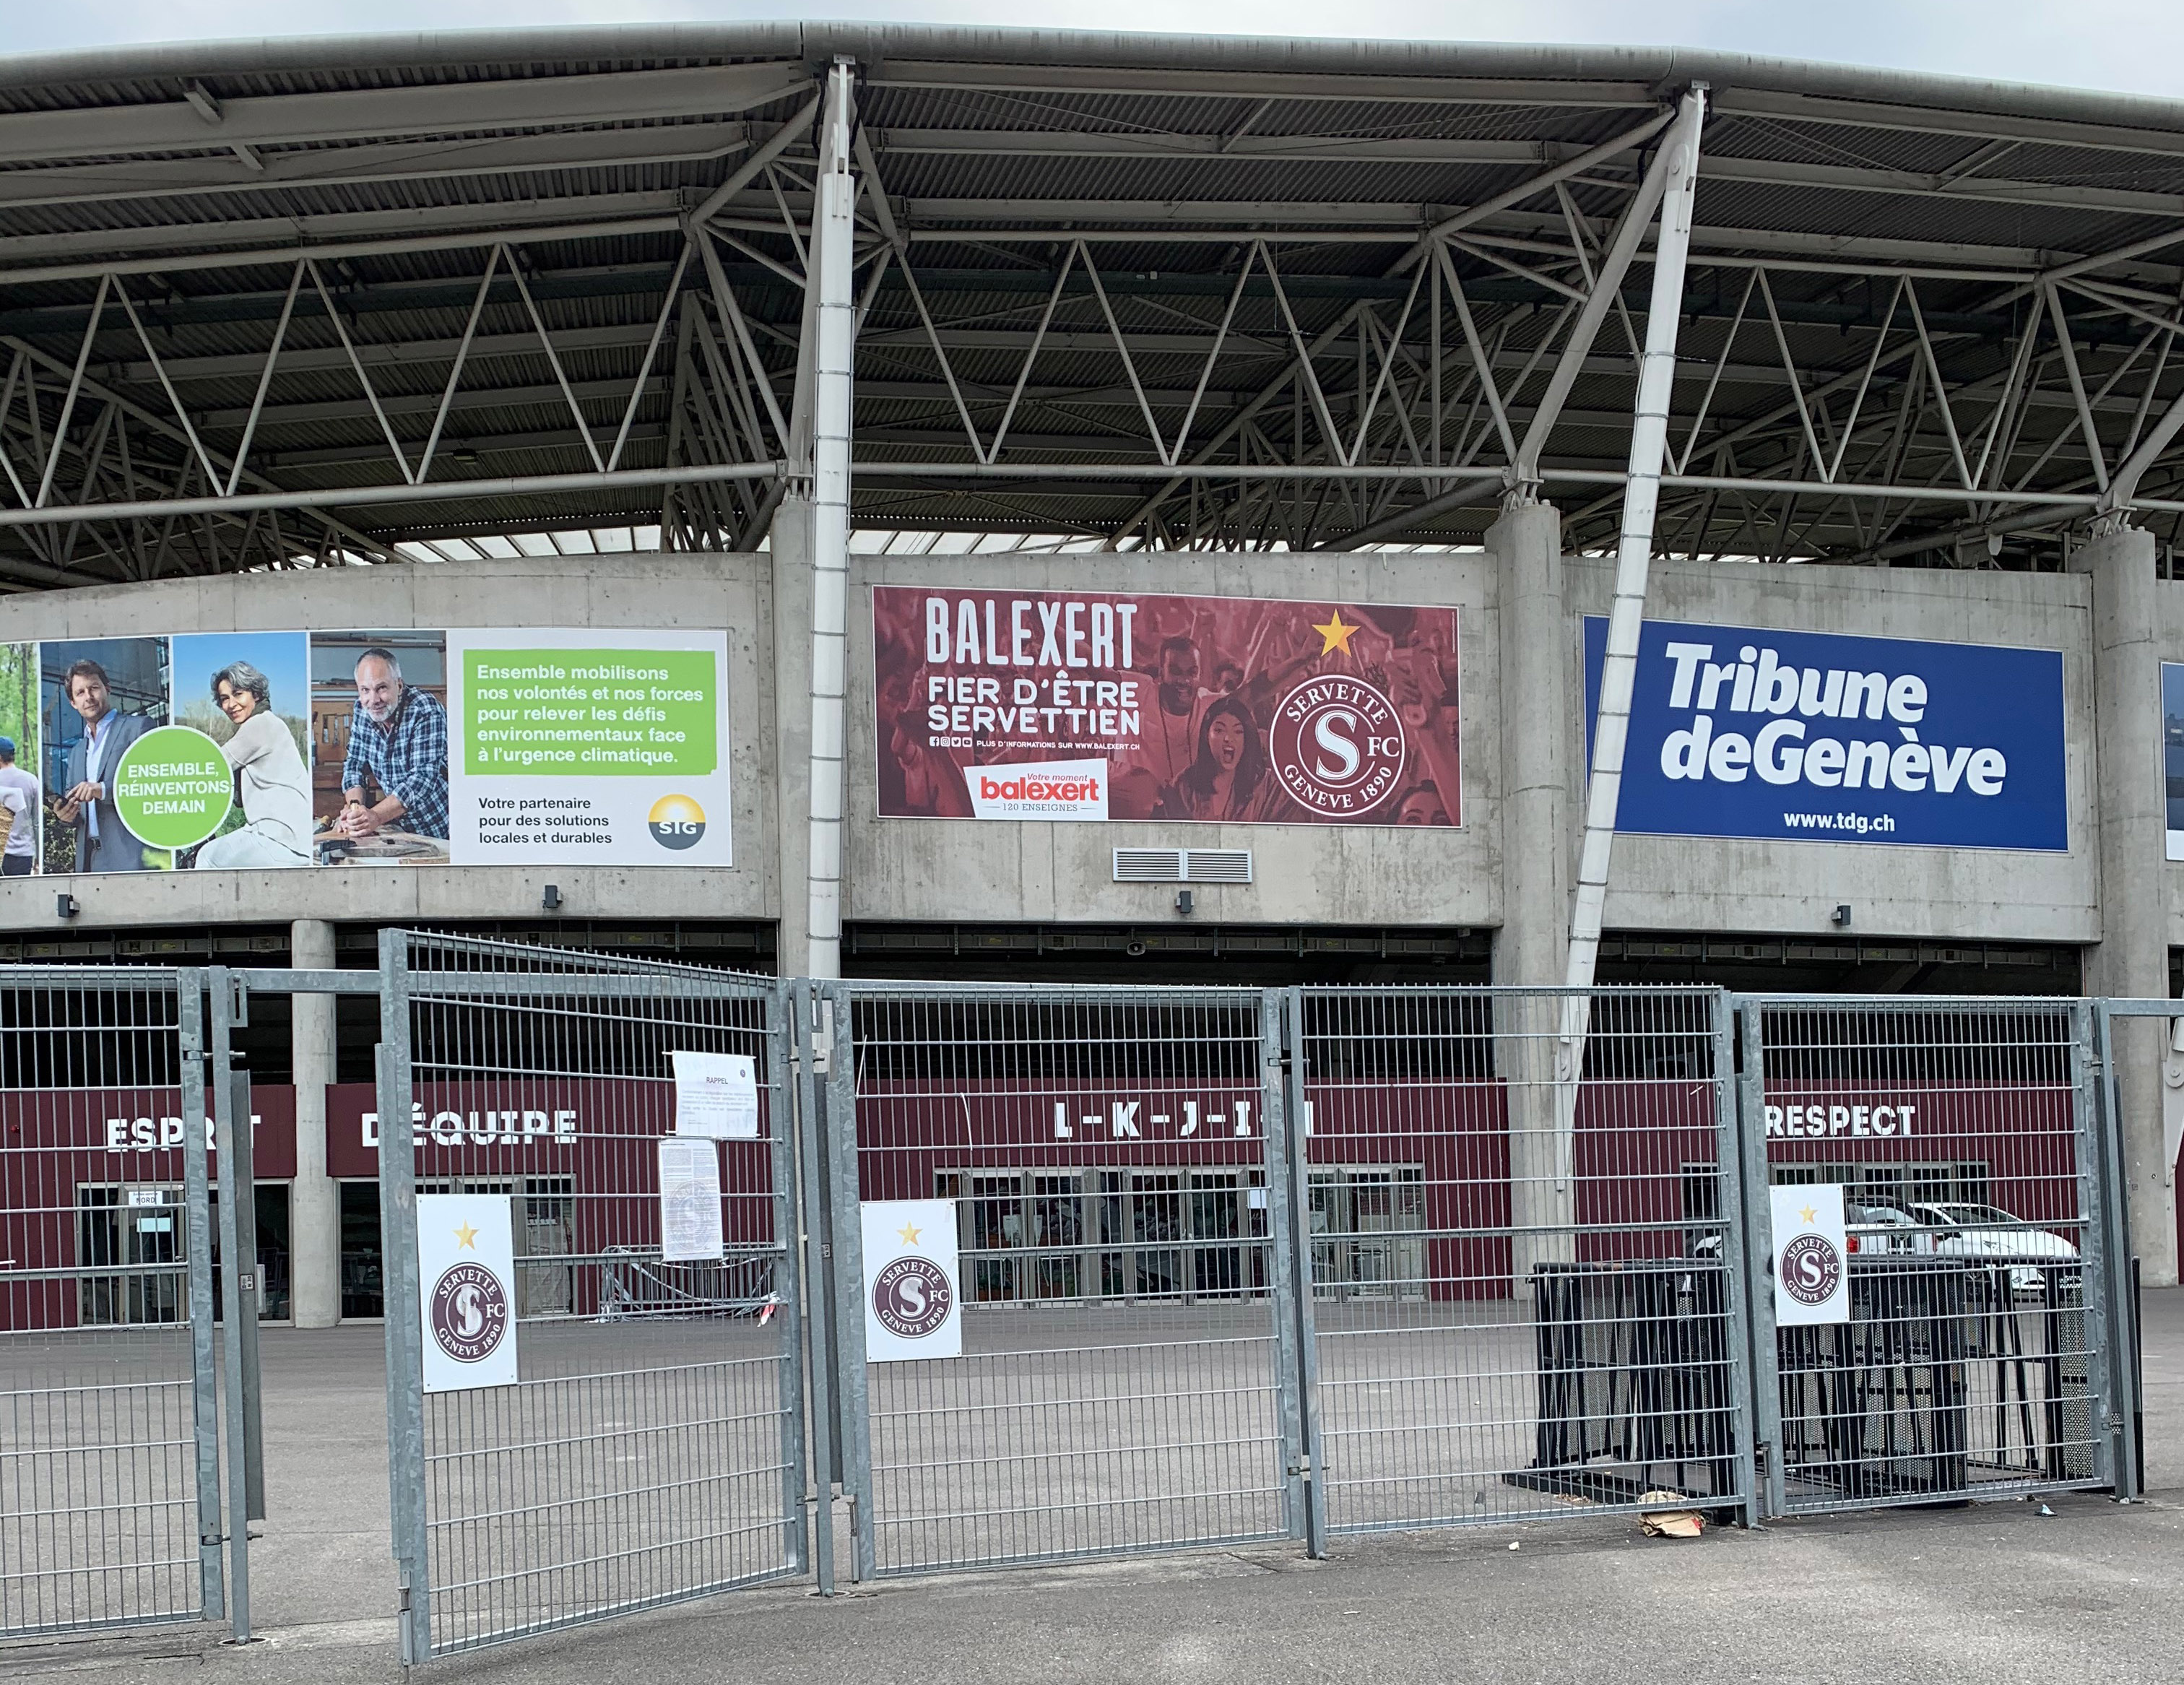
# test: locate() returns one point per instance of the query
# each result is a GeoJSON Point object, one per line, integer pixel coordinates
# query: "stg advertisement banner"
{"type": "Point", "coordinates": [1823, 737]}
{"type": "Point", "coordinates": [1054, 705]}
{"type": "Point", "coordinates": [269, 750]}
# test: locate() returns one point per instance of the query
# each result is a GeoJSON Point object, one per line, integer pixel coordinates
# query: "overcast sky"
{"type": "Point", "coordinates": [2123, 45]}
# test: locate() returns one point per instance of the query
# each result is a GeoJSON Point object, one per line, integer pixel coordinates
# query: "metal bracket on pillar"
{"type": "Point", "coordinates": [1518, 491]}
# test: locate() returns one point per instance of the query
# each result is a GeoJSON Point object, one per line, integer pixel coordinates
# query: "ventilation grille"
{"type": "Point", "coordinates": [1183, 866]}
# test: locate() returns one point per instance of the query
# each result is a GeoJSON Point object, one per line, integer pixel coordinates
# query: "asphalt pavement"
{"type": "Point", "coordinates": [2077, 1587]}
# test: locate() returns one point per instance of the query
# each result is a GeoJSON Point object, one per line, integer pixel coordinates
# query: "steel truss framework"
{"type": "Point", "coordinates": [256, 310]}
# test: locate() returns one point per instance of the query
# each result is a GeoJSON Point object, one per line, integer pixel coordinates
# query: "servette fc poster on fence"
{"type": "Point", "coordinates": [1082, 706]}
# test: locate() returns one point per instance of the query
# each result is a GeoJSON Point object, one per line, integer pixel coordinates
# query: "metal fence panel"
{"type": "Point", "coordinates": [1967, 1135]}
{"type": "Point", "coordinates": [1112, 1160]}
{"type": "Point", "coordinates": [653, 1448]}
{"type": "Point", "coordinates": [110, 1504]}
{"type": "Point", "coordinates": [1527, 1278]}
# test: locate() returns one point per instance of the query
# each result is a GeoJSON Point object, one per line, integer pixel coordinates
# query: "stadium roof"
{"type": "Point", "coordinates": [1167, 291]}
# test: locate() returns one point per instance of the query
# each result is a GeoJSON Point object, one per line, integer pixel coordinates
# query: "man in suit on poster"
{"type": "Point", "coordinates": [102, 842]}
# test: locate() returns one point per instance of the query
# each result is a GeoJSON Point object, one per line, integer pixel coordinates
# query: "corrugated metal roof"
{"type": "Point", "coordinates": [394, 163]}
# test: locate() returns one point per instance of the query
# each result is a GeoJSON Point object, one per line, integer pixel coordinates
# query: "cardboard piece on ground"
{"type": "Point", "coordinates": [1675, 1523]}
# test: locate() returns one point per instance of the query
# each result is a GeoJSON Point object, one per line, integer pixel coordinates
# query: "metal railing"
{"type": "Point", "coordinates": [1115, 1160]}
{"type": "Point", "coordinates": [1969, 1138]}
{"type": "Point", "coordinates": [652, 1448]}
{"type": "Point", "coordinates": [109, 1460]}
{"type": "Point", "coordinates": [1521, 1285]}
{"type": "Point", "coordinates": [1232, 1265]}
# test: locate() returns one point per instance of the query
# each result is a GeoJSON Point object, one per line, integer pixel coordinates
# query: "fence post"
{"type": "Point", "coordinates": [397, 1231]}
{"type": "Point", "coordinates": [782, 1083]}
{"type": "Point", "coordinates": [238, 1278]}
{"type": "Point", "coordinates": [2095, 1300]}
{"type": "Point", "coordinates": [849, 1243]}
{"type": "Point", "coordinates": [2119, 1331]}
{"type": "Point", "coordinates": [1296, 1463]}
{"type": "Point", "coordinates": [1288, 1126]}
{"type": "Point", "coordinates": [815, 1245]}
{"type": "Point", "coordinates": [1736, 1277]}
{"type": "Point", "coordinates": [1769, 1491]}
{"type": "Point", "coordinates": [196, 1198]}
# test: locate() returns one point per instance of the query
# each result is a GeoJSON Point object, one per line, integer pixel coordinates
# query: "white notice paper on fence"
{"type": "Point", "coordinates": [689, 1200]}
{"type": "Point", "coordinates": [1812, 1259]}
{"type": "Point", "coordinates": [715, 1095]}
{"type": "Point", "coordinates": [466, 1270]}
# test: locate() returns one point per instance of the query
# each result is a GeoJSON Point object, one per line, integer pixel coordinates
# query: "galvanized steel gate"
{"type": "Point", "coordinates": [111, 1508]}
{"type": "Point", "coordinates": [1119, 1164]}
{"type": "Point", "coordinates": [1521, 1283]}
{"type": "Point", "coordinates": [1237, 1265]}
{"type": "Point", "coordinates": [1990, 1349]}
{"type": "Point", "coordinates": [653, 1448]}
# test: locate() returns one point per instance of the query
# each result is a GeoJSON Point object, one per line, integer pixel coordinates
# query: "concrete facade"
{"type": "Point", "coordinates": [1508, 867]}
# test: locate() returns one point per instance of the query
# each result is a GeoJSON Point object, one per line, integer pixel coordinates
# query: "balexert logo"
{"type": "Point", "coordinates": [1044, 790]}
{"type": "Point", "coordinates": [1028, 789]}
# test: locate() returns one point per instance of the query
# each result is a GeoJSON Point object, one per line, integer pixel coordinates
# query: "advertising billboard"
{"type": "Point", "coordinates": [1824, 737]}
{"type": "Point", "coordinates": [1085, 705]}
{"type": "Point", "coordinates": [2172, 753]}
{"type": "Point", "coordinates": [268, 750]}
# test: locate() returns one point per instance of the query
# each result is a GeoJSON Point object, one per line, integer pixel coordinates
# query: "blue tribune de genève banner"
{"type": "Point", "coordinates": [1821, 737]}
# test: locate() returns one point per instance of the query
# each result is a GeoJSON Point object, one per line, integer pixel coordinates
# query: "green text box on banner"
{"type": "Point", "coordinates": [598, 713]}
{"type": "Point", "coordinates": [173, 788]}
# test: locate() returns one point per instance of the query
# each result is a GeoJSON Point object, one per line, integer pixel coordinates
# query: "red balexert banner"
{"type": "Point", "coordinates": [1059, 705]}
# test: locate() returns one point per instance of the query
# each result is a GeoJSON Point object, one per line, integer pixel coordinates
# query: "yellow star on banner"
{"type": "Point", "coordinates": [1334, 635]}
{"type": "Point", "coordinates": [910, 1234]}
{"type": "Point", "coordinates": [467, 1237]}
{"type": "Point", "coordinates": [1809, 1216]}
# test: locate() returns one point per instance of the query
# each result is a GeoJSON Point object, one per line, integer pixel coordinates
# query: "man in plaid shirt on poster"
{"type": "Point", "coordinates": [395, 778]}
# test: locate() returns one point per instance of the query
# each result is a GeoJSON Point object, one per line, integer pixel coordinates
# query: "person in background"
{"type": "Point", "coordinates": [1421, 805]}
{"type": "Point", "coordinates": [102, 842]}
{"type": "Point", "coordinates": [398, 745]}
{"type": "Point", "coordinates": [19, 796]}
{"type": "Point", "coordinates": [1230, 780]}
{"type": "Point", "coordinates": [271, 779]}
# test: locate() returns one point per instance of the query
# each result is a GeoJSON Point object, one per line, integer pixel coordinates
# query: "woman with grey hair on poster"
{"type": "Point", "coordinates": [270, 778]}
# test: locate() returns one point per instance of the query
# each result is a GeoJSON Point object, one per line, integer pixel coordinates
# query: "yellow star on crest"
{"type": "Point", "coordinates": [910, 1233]}
{"type": "Point", "coordinates": [1334, 635]}
{"type": "Point", "coordinates": [1809, 1216]}
{"type": "Point", "coordinates": [466, 1236]}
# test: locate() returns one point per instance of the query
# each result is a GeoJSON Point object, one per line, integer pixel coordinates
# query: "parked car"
{"type": "Point", "coordinates": [1867, 1229]}
{"type": "Point", "coordinates": [1953, 1229]}
{"type": "Point", "coordinates": [1870, 1229]}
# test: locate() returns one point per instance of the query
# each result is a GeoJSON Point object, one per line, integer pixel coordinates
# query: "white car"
{"type": "Point", "coordinates": [1954, 1229]}
{"type": "Point", "coordinates": [1871, 1231]}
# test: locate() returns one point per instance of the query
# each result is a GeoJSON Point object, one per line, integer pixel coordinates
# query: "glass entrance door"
{"type": "Point", "coordinates": [121, 1228]}
{"type": "Point", "coordinates": [1368, 1239]}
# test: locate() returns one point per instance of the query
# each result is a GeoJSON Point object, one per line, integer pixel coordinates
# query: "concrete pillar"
{"type": "Point", "coordinates": [1539, 747]}
{"type": "Point", "coordinates": [315, 1198]}
{"type": "Point", "coordinates": [791, 549]}
{"type": "Point", "coordinates": [1539, 755]}
{"type": "Point", "coordinates": [2132, 957]}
